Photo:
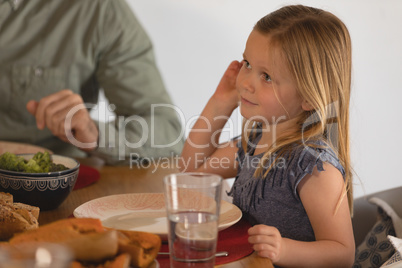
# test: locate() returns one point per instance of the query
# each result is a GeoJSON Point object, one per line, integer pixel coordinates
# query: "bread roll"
{"type": "Point", "coordinates": [15, 220]}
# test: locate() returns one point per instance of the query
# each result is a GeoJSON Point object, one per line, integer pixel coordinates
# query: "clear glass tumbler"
{"type": "Point", "coordinates": [193, 205]}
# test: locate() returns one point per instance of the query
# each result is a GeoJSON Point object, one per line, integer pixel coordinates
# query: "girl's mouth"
{"type": "Point", "coordinates": [247, 102]}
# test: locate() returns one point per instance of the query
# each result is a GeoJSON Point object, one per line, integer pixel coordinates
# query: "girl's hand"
{"type": "Point", "coordinates": [202, 146]}
{"type": "Point", "coordinates": [266, 241]}
{"type": "Point", "coordinates": [226, 91]}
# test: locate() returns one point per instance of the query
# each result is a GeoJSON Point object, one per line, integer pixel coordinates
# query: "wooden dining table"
{"type": "Point", "coordinates": [129, 179]}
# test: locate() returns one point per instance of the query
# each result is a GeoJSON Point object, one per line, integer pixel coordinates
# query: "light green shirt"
{"type": "Point", "coordinates": [84, 45]}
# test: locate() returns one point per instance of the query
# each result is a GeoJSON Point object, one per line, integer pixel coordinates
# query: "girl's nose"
{"type": "Point", "coordinates": [247, 84]}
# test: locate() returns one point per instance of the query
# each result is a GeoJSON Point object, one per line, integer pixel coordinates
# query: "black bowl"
{"type": "Point", "coordinates": [44, 190]}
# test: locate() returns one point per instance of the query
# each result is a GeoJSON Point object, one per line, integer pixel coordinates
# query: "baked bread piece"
{"type": "Point", "coordinates": [95, 245]}
{"type": "Point", "coordinates": [60, 230]}
{"type": "Point", "coordinates": [85, 237]}
{"type": "Point", "coordinates": [6, 197]}
{"type": "Point", "coordinates": [143, 247]}
{"type": "Point", "coordinates": [121, 261]}
{"type": "Point", "coordinates": [15, 220]}
{"type": "Point", "coordinates": [31, 209]}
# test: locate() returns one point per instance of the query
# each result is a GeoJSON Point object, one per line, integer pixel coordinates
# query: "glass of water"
{"type": "Point", "coordinates": [193, 204]}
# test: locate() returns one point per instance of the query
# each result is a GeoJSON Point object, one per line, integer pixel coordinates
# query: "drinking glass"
{"type": "Point", "coordinates": [193, 204]}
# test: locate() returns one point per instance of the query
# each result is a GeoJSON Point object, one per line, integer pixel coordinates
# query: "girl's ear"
{"type": "Point", "coordinates": [306, 106]}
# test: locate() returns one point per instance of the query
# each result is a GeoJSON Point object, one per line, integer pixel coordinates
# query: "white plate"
{"type": "Point", "coordinates": [20, 148]}
{"type": "Point", "coordinates": [143, 212]}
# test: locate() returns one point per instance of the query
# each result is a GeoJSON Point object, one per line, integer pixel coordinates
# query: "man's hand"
{"type": "Point", "coordinates": [66, 116]}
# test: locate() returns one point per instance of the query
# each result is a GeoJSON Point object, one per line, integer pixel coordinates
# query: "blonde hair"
{"type": "Point", "coordinates": [316, 47]}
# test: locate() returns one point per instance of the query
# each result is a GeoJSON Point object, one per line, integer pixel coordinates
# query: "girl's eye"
{"type": "Point", "coordinates": [266, 77]}
{"type": "Point", "coordinates": [246, 64]}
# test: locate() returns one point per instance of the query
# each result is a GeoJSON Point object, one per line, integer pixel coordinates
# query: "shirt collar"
{"type": "Point", "coordinates": [15, 4]}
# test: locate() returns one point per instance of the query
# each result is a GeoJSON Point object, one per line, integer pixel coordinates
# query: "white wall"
{"type": "Point", "coordinates": [196, 39]}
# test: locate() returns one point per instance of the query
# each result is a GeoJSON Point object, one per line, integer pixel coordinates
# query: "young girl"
{"type": "Point", "coordinates": [292, 163]}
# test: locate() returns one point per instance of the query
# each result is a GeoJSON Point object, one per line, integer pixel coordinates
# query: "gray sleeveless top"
{"type": "Point", "coordinates": [274, 200]}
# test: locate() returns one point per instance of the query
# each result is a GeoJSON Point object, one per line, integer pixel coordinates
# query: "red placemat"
{"type": "Point", "coordinates": [86, 176]}
{"type": "Point", "coordinates": [234, 240]}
